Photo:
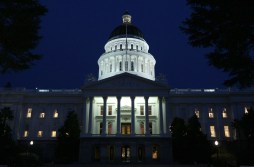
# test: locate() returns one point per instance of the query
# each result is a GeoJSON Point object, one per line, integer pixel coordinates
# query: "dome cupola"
{"type": "Point", "coordinates": [126, 51]}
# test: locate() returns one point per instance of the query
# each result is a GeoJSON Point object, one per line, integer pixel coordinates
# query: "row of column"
{"type": "Point", "coordinates": [104, 121]}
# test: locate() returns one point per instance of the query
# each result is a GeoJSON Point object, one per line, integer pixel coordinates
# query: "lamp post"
{"type": "Point", "coordinates": [216, 143]}
{"type": "Point", "coordinates": [31, 143]}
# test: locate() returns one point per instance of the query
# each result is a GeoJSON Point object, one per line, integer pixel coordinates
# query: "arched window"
{"type": "Point", "coordinates": [120, 66]}
{"type": "Point", "coordinates": [126, 65]}
{"type": "Point", "coordinates": [132, 66]}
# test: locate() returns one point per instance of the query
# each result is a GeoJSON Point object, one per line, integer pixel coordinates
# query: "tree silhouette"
{"type": "Point", "coordinates": [226, 27]}
{"type": "Point", "coordinates": [19, 25]}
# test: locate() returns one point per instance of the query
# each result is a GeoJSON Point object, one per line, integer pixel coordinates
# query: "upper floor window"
{"type": "Point", "coordinates": [141, 110]}
{"type": "Point", "coordinates": [120, 66]}
{"type": "Point", "coordinates": [131, 46]}
{"type": "Point", "coordinates": [132, 66]}
{"type": "Point", "coordinates": [212, 131]}
{"type": "Point", "coordinates": [110, 68]}
{"type": "Point", "coordinates": [197, 113]}
{"type": "Point", "coordinates": [109, 110]}
{"type": "Point", "coordinates": [150, 128]}
{"type": "Point", "coordinates": [142, 128]}
{"type": "Point", "coordinates": [224, 113]}
{"type": "Point", "coordinates": [126, 65]}
{"type": "Point", "coordinates": [25, 133]}
{"type": "Point", "coordinates": [211, 114]}
{"type": "Point", "coordinates": [39, 133]}
{"type": "Point", "coordinates": [115, 47]}
{"type": "Point", "coordinates": [149, 110]}
{"type": "Point", "coordinates": [29, 113]}
{"type": "Point", "coordinates": [142, 68]}
{"type": "Point", "coordinates": [53, 133]}
{"type": "Point", "coordinates": [55, 115]}
{"type": "Point", "coordinates": [42, 115]}
{"type": "Point", "coordinates": [226, 131]}
{"type": "Point", "coordinates": [121, 46]}
{"type": "Point", "coordinates": [100, 130]}
{"type": "Point", "coordinates": [110, 128]}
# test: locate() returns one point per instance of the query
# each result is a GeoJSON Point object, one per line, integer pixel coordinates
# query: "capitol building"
{"type": "Point", "coordinates": [126, 114]}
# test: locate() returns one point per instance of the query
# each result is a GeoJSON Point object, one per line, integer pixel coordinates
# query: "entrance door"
{"type": "Point", "coordinates": [126, 128]}
{"type": "Point", "coordinates": [126, 153]}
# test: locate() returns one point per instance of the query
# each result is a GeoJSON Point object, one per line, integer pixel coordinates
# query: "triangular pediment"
{"type": "Point", "coordinates": [125, 81]}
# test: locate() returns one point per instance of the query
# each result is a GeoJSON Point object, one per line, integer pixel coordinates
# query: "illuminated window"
{"type": "Point", "coordinates": [42, 115]}
{"type": "Point", "coordinates": [132, 66]}
{"type": "Point", "coordinates": [149, 110]}
{"type": "Point", "coordinates": [150, 128]}
{"type": "Point", "coordinates": [120, 66]}
{"type": "Point", "coordinates": [110, 128]}
{"type": "Point", "coordinates": [142, 128]}
{"type": "Point", "coordinates": [212, 131]}
{"type": "Point", "coordinates": [155, 153]}
{"type": "Point", "coordinates": [226, 131]}
{"type": "Point", "coordinates": [29, 113]}
{"type": "Point", "coordinates": [101, 111]}
{"type": "Point", "coordinates": [197, 113]}
{"type": "Point", "coordinates": [55, 115]}
{"type": "Point", "coordinates": [224, 113]}
{"type": "Point", "coordinates": [53, 133]}
{"type": "Point", "coordinates": [109, 110]}
{"type": "Point", "coordinates": [246, 110]}
{"type": "Point", "coordinates": [100, 130]}
{"type": "Point", "coordinates": [126, 65]}
{"type": "Point", "coordinates": [141, 110]}
{"type": "Point", "coordinates": [25, 133]}
{"type": "Point", "coordinates": [211, 114]}
{"type": "Point", "coordinates": [40, 133]}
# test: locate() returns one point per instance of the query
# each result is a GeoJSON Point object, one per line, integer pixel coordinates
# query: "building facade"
{"type": "Point", "coordinates": [125, 115]}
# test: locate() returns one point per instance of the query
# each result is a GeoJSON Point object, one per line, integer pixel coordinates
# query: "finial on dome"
{"type": "Point", "coordinates": [126, 17]}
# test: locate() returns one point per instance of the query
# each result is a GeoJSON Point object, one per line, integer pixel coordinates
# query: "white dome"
{"type": "Point", "coordinates": [126, 54]}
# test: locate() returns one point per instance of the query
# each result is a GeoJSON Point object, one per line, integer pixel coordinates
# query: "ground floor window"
{"type": "Point", "coordinates": [155, 152]}
{"type": "Point", "coordinates": [141, 153]}
{"type": "Point", "coordinates": [126, 153]}
{"type": "Point", "coordinates": [111, 153]}
{"type": "Point", "coordinates": [97, 153]}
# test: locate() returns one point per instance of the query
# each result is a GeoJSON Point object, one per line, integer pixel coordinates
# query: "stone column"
{"type": "Point", "coordinates": [147, 115]}
{"type": "Point", "coordinates": [118, 114]}
{"type": "Point", "coordinates": [84, 121]}
{"type": "Point", "coordinates": [133, 115]}
{"type": "Point", "coordinates": [104, 121]}
{"type": "Point", "coordinates": [90, 115]}
{"type": "Point", "coordinates": [161, 116]}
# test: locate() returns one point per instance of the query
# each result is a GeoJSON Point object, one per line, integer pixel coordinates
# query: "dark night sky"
{"type": "Point", "coordinates": [75, 32]}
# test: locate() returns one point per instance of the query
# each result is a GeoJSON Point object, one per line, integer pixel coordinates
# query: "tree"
{"type": "Point", "coordinates": [227, 28]}
{"type": "Point", "coordinates": [19, 25]}
{"type": "Point", "coordinates": [68, 139]}
{"type": "Point", "coordinates": [6, 142]}
{"type": "Point", "coordinates": [189, 143]}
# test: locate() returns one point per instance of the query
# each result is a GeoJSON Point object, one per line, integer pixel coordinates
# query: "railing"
{"type": "Point", "coordinates": [216, 90]}
{"type": "Point", "coordinates": [24, 90]}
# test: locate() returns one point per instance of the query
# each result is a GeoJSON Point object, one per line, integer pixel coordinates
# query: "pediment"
{"type": "Point", "coordinates": [125, 81]}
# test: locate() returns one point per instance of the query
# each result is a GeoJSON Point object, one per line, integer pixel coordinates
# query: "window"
{"type": "Point", "coordinates": [110, 68]}
{"type": "Point", "coordinates": [224, 113]}
{"type": "Point", "coordinates": [141, 48]}
{"type": "Point", "coordinates": [212, 131]}
{"type": "Point", "coordinates": [109, 110]}
{"type": "Point", "coordinates": [197, 113]}
{"type": "Point", "coordinates": [142, 68]}
{"type": "Point", "coordinates": [246, 110]}
{"type": "Point", "coordinates": [226, 131]}
{"type": "Point", "coordinates": [150, 128]}
{"type": "Point", "coordinates": [97, 153]}
{"type": "Point", "coordinates": [25, 133]}
{"type": "Point", "coordinates": [141, 110]}
{"type": "Point", "coordinates": [131, 46]}
{"type": "Point", "coordinates": [100, 130]}
{"type": "Point", "coordinates": [126, 65]}
{"type": "Point", "coordinates": [211, 114]}
{"type": "Point", "coordinates": [132, 66]}
{"type": "Point", "coordinates": [121, 46]}
{"type": "Point", "coordinates": [55, 115]}
{"type": "Point", "coordinates": [101, 110]}
{"type": "Point", "coordinates": [155, 153]}
{"type": "Point", "coordinates": [110, 128]}
{"type": "Point", "coordinates": [142, 128]}
{"type": "Point", "coordinates": [111, 153]}
{"type": "Point", "coordinates": [137, 47]}
{"type": "Point", "coordinates": [40, 133]}
{"type": "Point", "coordinates": [115, 47]}
{"type": "Point", "coordinates": [53, 133]}
{"type": "Point", "coordinates": [149, 110]}
{"type": "Point", "coordinates": [120, 66]}
{"type": "Point", "coordinates": [29, 113]}
{"type": "Point", "coordinates": [42, 115]}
